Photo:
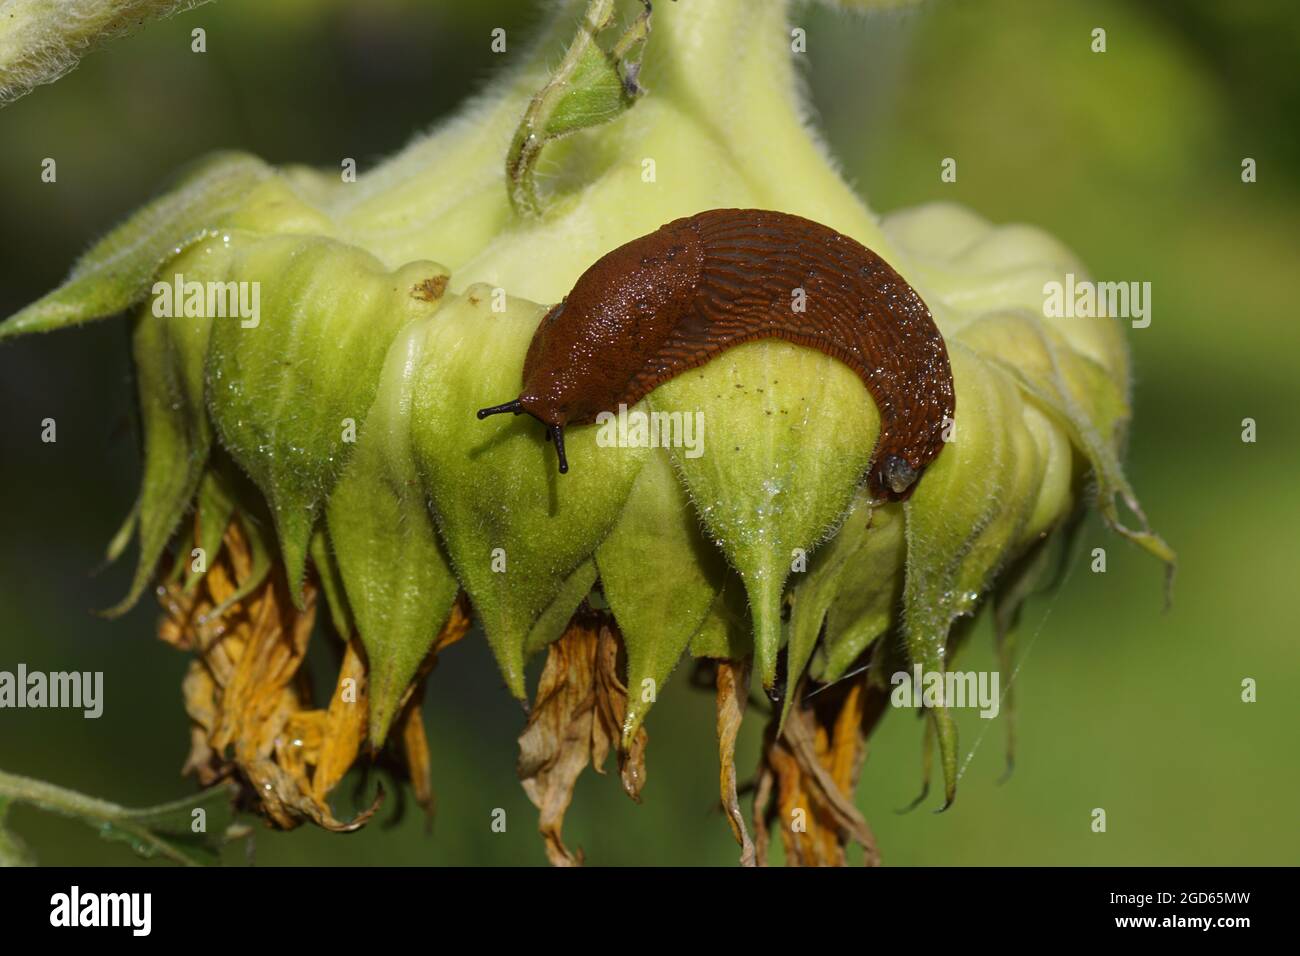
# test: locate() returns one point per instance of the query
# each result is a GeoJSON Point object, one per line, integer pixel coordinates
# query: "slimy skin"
{"type": "Point", "coordinates": [672, 300]}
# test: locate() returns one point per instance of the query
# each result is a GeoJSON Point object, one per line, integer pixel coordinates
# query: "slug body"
{"type": "Point", "coordinates": [671, 300]}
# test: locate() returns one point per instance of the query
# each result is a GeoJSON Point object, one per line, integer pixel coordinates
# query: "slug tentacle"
{"type": "Point", "coordinates": [672, 300]}
{"type": "Point", "coordinates": [514, 407]}
{"type": "Point", "coordinates": [557, 432]}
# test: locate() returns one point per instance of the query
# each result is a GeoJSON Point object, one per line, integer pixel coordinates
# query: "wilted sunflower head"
{"type": "Point", "coordinates": [312, 353]}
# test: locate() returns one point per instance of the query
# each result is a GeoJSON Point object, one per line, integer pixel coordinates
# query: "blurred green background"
{"type": "Point", "coordinates": [1132, 158]}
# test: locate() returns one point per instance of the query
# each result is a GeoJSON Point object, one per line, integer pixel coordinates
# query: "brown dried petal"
{"type": "Point", "coordinates": [415, 751]}
{"type": "Point", "coordinates": [813, 766]}
{"type": "Point", "coordinates": [345, 723]}
{"type": "Point", "coordinates": [611, 714]}
{"type": "Point", "coordinates": [247, 693]}
{"type": "Point", "coordinates": [733, 694]}
{"type": "Point", "coordinates": [576, 718]}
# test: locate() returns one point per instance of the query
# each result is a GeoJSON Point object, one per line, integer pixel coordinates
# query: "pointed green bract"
{"type": "Point", "coordinates": [398, 580]}
{"type": "Point", "coordinates": [125, 532]}
{"type": "Point", "coordinates": [169, 355]}
{"type": "Point", "coordinates": [289, 390]}
{"type": "Point", "coordinates": [119, 270]}
{"type": "Point", "coordinates": [660, 575]}
{"type": "Point", "coordinates": [1076, 387]}
{"type": "Point", "coordinates": [1055, 496]}
{"type": "Point", "coordinates": [555, 616]}
{"type": "Point", "coordinates": [1086, 400]}
{"type": "Point", "coordinates": [1021, 474]}
{"type": "Point", "coordinates": [989, 286]}
{"type": "Point", "coordinates": [812, 592]}
{"type": "Point", "coordinates": [1022, 580]}
{"type": "Point", "coordinates": [869, 593]}
{"type": "Point", "coordinates": [330, 577]}
{"type": "Point", "coordinates": [216, 505]}
{"type": "Point", "coordinates": [967, 509]}
{"type": "Point", "coordinates": [515, 529]}
{"type": "Point", "coordinates": [727, 632]}
{"type": "Point", "coordinates": [788, 434]}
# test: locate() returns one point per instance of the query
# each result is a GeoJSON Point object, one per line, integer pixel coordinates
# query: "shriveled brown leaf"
{"type": "Point", "coordinates": [556, 742]}
{"type": "Point", "coordinates": [246, 693]}
{"type": "Point", "coordinates": [611, 714]}
{"type": "Point", "coordinates": [266, 649]}
{"type": "Point", "coordinates": [200, 693]}
{"type": "Point", "coordinates": [813, 766]}
{"type": "Point", "coordinates": [345, 723]}
{"type": "Point", "coordinates": [763, 814]}
{"type": "Point", "coordinates": [577, 718]}
{"type": "Point", "coordinates": [415, 751]}
{"type": "Point", "coordinates": [733, 694]}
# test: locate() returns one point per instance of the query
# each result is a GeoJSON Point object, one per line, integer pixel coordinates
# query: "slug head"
{"type": "Point", "coordinates": [590, 351]}
{"type": "Point", "coordinates": [898, 475]}
{"type": "Point", "coordinates": [545, 396]}
{"type": "Point", "coordinates": [555, 432]}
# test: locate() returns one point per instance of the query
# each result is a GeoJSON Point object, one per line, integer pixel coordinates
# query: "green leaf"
{"type": "Point", "coordinates": [118, 271]}
{"type": "Point", "coordinates": [788, 435]}
{"type": "Point", "coordinates": [591, 86]}
{"type": "Point", "coordinates": [594, 94]}
{"type": "Point", "coordinates": [168, 830]}
{"type": "Point", "coordinates": [515, 529]}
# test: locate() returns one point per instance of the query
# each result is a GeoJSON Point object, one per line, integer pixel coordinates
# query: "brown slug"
{"type": "Point", "coordinates": [671, 300]}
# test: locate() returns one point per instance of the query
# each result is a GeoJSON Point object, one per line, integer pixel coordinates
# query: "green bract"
{"type": "Point", "coordinates": [393, 307]}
